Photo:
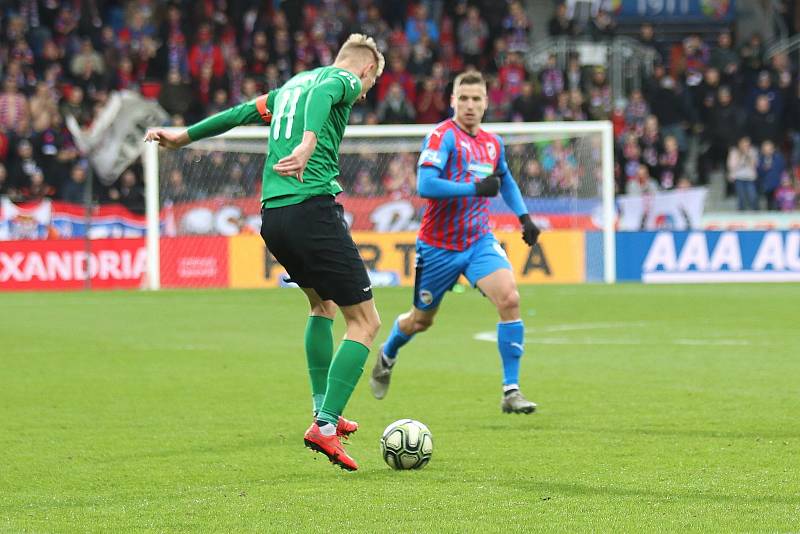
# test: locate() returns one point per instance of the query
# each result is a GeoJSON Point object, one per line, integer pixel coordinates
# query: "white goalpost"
{"type": "Point", "coordinates": [565, 171]}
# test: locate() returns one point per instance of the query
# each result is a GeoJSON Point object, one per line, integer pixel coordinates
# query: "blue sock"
{"type": "Point", "coordinates": [396, 340]}
{"type": "Point", "coordinates": [510, 339]}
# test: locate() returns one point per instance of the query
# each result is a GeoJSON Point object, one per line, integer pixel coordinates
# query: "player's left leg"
{"type": "Point", "coordinates": [491, 272]}
{"type": "Point", "coordinates": [319, 353]}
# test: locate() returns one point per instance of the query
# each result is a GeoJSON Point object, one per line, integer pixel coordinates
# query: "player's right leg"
{"type": "Point", "coordinates": [437, 270]}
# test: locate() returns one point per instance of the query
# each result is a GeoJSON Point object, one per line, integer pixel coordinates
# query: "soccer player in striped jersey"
{"type": "Point", "coordinates": [459, 167]}
{"type": "Point", "coordinates": [304, 227]}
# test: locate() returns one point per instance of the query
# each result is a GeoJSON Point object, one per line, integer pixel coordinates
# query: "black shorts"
{"type": "Point", "coordinates": [312, 242]}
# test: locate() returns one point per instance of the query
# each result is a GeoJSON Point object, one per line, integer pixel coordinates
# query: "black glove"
{"type": "Point", "coordinates": [530, 232]}
{"type": "Point", "coordinates": [488, 187]}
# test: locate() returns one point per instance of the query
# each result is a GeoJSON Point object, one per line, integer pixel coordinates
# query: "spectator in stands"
{"type": "Point", "coordinates": [771, 169]}
{"type": "Point", "coordinates": [527, 107]}
{"type": "Point", "coordinates": [512, 74]}
{"type": "Point", "coordinates": [670, 164]}
{"type": "Point", "coordinates": [73, 188]}
{"type": "Point", "coordinates": [233, 186]}
{"type": "Point", "coordinates": [602, 27]}
{"type": "Point", "coordinates": [205, 52]}
{"type": "Point", "coordinates": [37, 189]}
{"type": "Point", "coordinates": [786, 195]}
{"type": "Point", "coordinates": [704, 97]}
{"type": "Point", "coordinates": [421, 25]}
{"type": "Point", "coordinates": [87, 54]}
{"type": "Point", "coordinates": [764, 124]}
{"type": "Point", "coordinates": [560, 25]}
{"type": "Point", "coordinates": [573, 77]}
{"type": "Point", "coordinates": [76, 106]}
{"type": "Point", "coordinates": [560, 110]}
{"type": "Point", "coordinates": [533, 182]}
{"type": "Point", "coordinates": [724, 58]}
{"type": "Point", "coordinates": [551, 78]}
{"type": "Point", "coordinates": [376, 27]}
{"type": "Point", "coordinates": [499, 108]}
{"type": "Point", "coordinates": [642, 183]}
{"type": "Point", "coordinates": [598, 88]}
{"type": "Point", "coordinates": [669, 105]}
{"type": "Point", "coordinates": [176, 94]}
{"type": "Point", "coordinates": [695, 59]}
{"type": "Point", "coordinates": [647, 37]}
{"type": "Point", "coordinates": [578, 110]}
{"type": "Point", "coordinates": [397, 73]}
{"type": "Point", "coordinates": [23, 165]}
{"type": "Point", "coordinates": [742, 163]}
{"type": "Point", "coordinates": [421, 62]}
{"type": "Point", "coordinates": [765, 87]}
{"type": "Point", "coordinates": [431, 107]}
{"type": "Point", "coordinates": [636, 111]}
{"type": "Point", "coordinates": [13, 106]}
{"type": "Point", "coordinates": [364, 184]}
{"type": "Point", "coordinates": [400, 177]}
{"type": "Point", "coordinates": [473, 34]}
{"type": "Point", "coordinates": [517, 26]}
{"type": "Point", "coordinates": [751, 57]}
{"type": "Point", "coordinates": [176, 189]}
{"type": "Point", "coordinates": [395, 108]}
{"type": "Point", "coordinates": [720, 133]}
{"type": "Point", "coordinates": [629, 159]}
{"type": "Point", "coordinates": [5, 188]}
{"type": "Point", "coordinates": [651, 144]}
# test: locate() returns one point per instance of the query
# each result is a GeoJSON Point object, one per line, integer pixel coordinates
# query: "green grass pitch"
{"type": "Point", "coordinates": [669, 408]}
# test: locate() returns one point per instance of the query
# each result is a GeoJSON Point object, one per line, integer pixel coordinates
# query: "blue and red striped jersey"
{"type": "Point", "coordinates": [456, 223]}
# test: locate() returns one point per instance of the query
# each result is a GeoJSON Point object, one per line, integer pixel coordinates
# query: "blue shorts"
{"type": "Point", "coordinates": [438, 269]}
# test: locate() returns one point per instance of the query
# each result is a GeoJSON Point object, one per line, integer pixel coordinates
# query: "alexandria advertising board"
{"type": "Point", "coordinates": [690, 257]}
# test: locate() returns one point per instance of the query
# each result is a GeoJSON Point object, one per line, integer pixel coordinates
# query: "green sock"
{"type": "Point", "coordinates": [346, 369]}
{"type": "Point", "coordinates": [319, 352]}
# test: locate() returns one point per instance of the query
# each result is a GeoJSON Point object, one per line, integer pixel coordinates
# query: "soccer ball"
{"type": "Point", "coordinates": [407, 444]}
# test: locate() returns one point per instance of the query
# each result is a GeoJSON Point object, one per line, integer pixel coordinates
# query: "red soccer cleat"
{"type": "Point", "coordinates": [345, 427]}
{"type": "Point", "coordinates": [330, 446]}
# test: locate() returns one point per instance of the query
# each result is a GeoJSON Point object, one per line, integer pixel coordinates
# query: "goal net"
{"type": "Point", "coordinates": [204, 205]}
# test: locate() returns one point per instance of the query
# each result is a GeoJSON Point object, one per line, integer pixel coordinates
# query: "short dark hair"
{"type": "Point", "coordinates": [471, 77]}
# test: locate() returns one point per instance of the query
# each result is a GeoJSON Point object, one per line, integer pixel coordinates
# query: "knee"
{"type": "Point", "coordinates": [508, 301]}
{"type": "Point", "coordinates": [325, 308]}
{"type": "Point", "coordinates": [422, 323]}
{"type": "Point", "coordinates": [374, 324]}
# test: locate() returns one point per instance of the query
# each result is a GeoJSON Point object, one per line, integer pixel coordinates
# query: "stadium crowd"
{"type": "Point", "coordinates": [740, 108]}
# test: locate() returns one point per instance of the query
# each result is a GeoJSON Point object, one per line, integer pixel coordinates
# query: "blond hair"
{"type": "Point", "coordinates": [357, 45]}
{"type": "Point", "coordinates": [470, 77]}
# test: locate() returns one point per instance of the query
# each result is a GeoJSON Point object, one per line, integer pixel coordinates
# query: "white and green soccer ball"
{"type": "Point", "coordinates": [406, 444]}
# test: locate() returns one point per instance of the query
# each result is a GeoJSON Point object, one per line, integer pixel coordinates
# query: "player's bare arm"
{"type": "Point", "coordinates": [168, 139]}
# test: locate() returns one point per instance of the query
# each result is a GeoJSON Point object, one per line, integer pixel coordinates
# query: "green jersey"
{"type": "Point", "coordinates": [320, 101]}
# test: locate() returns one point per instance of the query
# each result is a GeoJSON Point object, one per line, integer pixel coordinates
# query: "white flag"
{"type": "Point", "coordinates": [114, 140]}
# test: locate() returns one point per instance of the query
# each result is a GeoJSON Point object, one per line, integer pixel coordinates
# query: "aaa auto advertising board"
{"type": "Point", "coordinates": [689, 257]}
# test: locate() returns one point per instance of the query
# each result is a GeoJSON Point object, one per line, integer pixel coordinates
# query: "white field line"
{"type": "Point", "coordinates": [533, 336]}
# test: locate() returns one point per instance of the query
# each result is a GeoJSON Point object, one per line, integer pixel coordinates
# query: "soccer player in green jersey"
{"type": "Point", "coordinates": [304, 227]}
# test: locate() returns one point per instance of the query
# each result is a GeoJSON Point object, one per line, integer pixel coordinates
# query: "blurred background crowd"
{"type": "Point", "coordinates": [710, 105]}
